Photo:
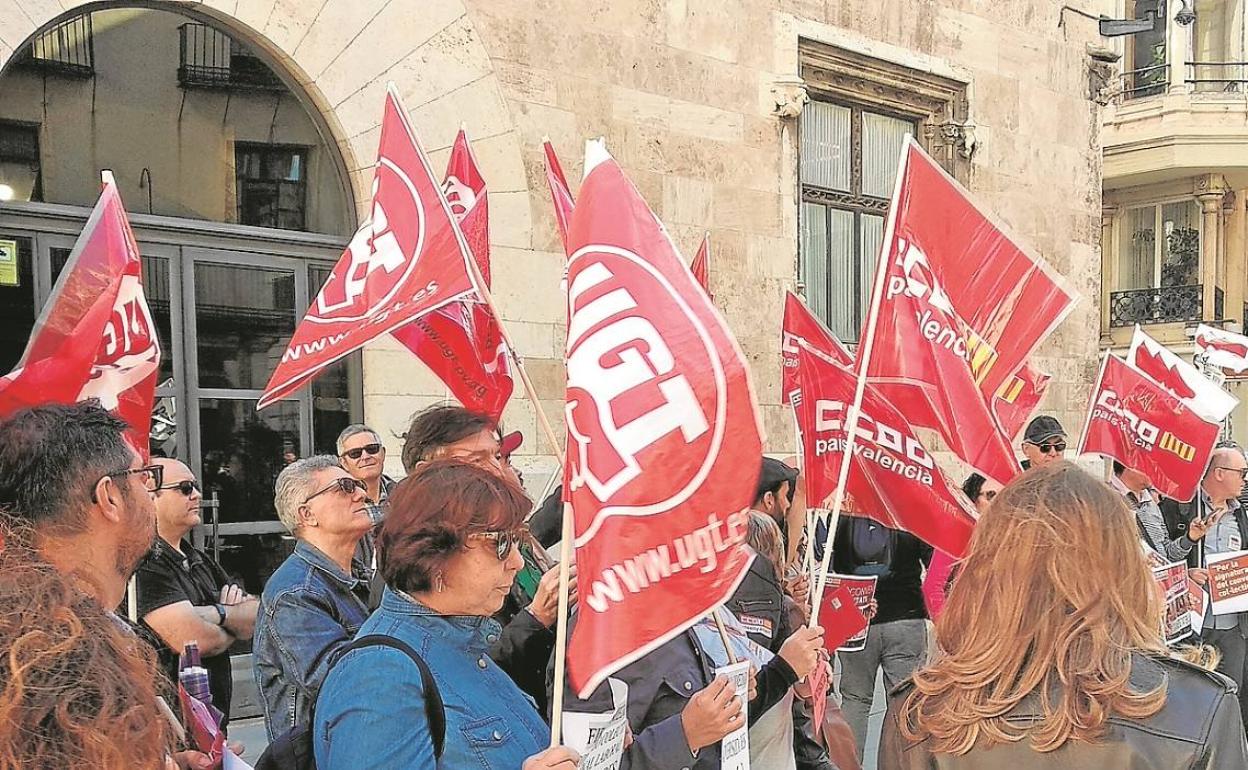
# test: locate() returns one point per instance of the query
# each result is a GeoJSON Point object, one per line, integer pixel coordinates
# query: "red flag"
{"type": "Point", "coordinates": [559, 192]}
{"type": "Point", "coordinates": [893, 478]}
{"type": "Point", "coordinates": [961, 307]}
{"type": "Point", "coordinates": [800, 326]}
{"type": "Point", "coordinates": [462, 343]}
{"type": "Point", "coordinates": [699, 267]}
{"type": "Point", "coordinates": [407, 259]}
{"type": "Point", "coordinates": [1018, 397]}
{"type": "Point", "coordinates": [1223, 349]}
{"type": "Point", "coordinates": [661, 421]}
{"type": "Point", "coordinates": [1137, 422]}
{"type": "Point", "coordinates": [1199, 393]}
{"type": "Point", "coordinates": [95, 337]}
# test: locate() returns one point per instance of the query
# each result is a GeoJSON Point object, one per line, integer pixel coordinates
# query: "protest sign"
{"type": "Point", "coordinates": [1197, 603]}
{"type": "Point", "coordinates": [1228, 582]}
{"type": "Point", "coordinates": [1172, 581]}
{"type": "Point", "coordinates": [1199, 393]}
{"type": "Point", "coordinates": [599, 738]}
{"type": "Point", "coordinates": [862, 589]}
{"type": "Point", "coordinates": [818, 683]}
{"type": "Point", "coordinates": [734, 753]}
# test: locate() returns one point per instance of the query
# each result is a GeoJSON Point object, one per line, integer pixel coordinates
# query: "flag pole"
{"type": "Point", "coordinates": [864, 362]}
{"type": "Point", "coordinates": [561, 626]}
{"type": "Point", "coordinates": [723, 635]}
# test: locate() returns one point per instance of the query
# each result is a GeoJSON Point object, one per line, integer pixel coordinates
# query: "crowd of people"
{"type": "Point", "coordinates": [413, 625]}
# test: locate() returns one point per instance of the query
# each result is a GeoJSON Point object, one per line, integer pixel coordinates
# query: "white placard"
{"type": "Point", "coordinates": [735, 748]}
{"type": "Point", "coordinates": [599, 738]}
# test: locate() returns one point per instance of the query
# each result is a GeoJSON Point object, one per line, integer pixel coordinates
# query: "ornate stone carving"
{"type": "Point", "coordinates": [790, 95]}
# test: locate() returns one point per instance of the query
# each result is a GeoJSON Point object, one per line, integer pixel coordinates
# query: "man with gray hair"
{"type": "Point", "coordinates": [364, 456]}
{"type": "Point", "coordinates": [313, 604]}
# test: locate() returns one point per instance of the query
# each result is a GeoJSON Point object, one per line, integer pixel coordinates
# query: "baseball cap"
{"type": "Point", "coordinates": [1043, 427]}
{"type": "Point", "coordinates": [510, 443]}
{"type": "Point", "coordinates": [772, 474]}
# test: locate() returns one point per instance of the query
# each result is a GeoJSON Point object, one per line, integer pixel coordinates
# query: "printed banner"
{"type": "Point", "coordinates": [1142, 425]}
{"type": "Point", "coordinates": [1228, 582]}
{"type": "Point", "coordinates": [661, 420]}
{"type": "Point", "coordinates": [1223, 349]}
{"type": "Point", "coordinates": [893, 479]}
{"type": "Point", "coordinates": [802, 326]}
{"type": "Point", "coordinates": [1197, 392]}
{"type": "Point", "coordinates": [734, 751]}
{"type": "Point", "coordinates": [95, 337]}
{"type": "Point", "coordinates": [961, 309]}
{"type": "Point", "coordinates": [1172, 582]}
{"type": "Point", "coordinates": [407, 259]}
{"type": "Point", "coordinates": [862, 590]}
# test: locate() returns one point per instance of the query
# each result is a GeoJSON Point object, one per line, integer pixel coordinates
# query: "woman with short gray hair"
{"type": "Point", "coordinates": [314, 603]}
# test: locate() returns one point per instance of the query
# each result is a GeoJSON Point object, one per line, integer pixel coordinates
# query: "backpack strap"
{"type": "Point", "coordinates": [435, 710]}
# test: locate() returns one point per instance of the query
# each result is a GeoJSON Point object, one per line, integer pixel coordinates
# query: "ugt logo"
{"type": "Point", "coordinates": [381, 255]}
{"type": "Point", "coordinates": [646, 386]}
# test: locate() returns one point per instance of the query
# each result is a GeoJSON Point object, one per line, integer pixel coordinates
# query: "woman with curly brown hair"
{"type": "Point", "coordinates": [1051, 654]}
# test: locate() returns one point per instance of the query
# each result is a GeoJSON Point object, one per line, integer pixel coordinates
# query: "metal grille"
{"type": "Point", "coordinates": [1167, 304]}
{"type": "Point", "coordinates": [1146, 81]}
{"type": "Point", "coordinates": [67, 48]}
{"type": "Point", "coordinates": [1217, 75]}
{"type": "Point", "coordinates": [208, 58]}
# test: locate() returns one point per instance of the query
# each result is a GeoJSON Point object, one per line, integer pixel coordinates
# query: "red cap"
{"type": "Point", "coordinates": [510, 443]}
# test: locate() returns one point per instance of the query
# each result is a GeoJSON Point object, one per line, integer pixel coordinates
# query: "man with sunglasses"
{"type": "Point", "coordinates": [1044, 442]}
{"type": "Point", "coordinates": [314, 603]}
{"type": "Point", "coordinates": [184, 595]}
{"type": "Point", "coordinates": [364, 456]}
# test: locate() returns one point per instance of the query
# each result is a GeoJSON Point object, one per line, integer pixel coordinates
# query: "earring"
{"type": "Point", "coordinates": [439, 584]}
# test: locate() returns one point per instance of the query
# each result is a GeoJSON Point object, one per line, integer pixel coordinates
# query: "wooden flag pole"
{"type": "Point", "coordinates": [723, 635]}
{"type": "Point", "coordinates": [566, 552]}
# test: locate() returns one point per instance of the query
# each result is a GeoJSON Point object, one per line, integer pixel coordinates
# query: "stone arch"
{"type": "Point", "coordinates": [337, 57]}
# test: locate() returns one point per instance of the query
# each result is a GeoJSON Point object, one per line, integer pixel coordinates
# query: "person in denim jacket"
{"type": "Point", "coordinates": [313, 604]}
{"type": "Point", "coordinates": [448, 556]}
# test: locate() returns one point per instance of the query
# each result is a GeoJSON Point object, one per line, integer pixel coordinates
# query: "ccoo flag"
{"type": "Point", "coordinates": [1200, 394]}
{"type": "Point", "coordinates": [802, 327]}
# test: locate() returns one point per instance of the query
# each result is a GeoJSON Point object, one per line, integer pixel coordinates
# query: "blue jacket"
{"type": "Point", "coordinates": [371, 712]}
{"type": "Point", "coordinates": [309, 609]}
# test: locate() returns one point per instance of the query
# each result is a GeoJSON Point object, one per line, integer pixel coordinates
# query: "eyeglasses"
{"type": "Point", "coordinates": [360, 451]}
{"type": "Point", "coordinates": [1243, 472]}
{"type": "Point", "coordinates": [344, 484]}
{"type": "Point", "coordinates": [503, 541]}
{"type": "Point", "coordinates": [1057, 447]}
{"type": "Point", "coordinates": [153, 475]}
{"type": "Point", "coordinates": [187, 487]}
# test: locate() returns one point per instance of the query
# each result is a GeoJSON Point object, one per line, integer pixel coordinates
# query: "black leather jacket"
{"type": "Point", "coordinates": [1198, 728]}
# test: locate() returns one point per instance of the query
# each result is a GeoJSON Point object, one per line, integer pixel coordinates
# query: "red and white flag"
{"type": "Point", "coordinates": [800, 326]}
{"type": "Point", "coordinates": [560, 195]}
{"type": "Point", "coordinates": [892, 479]}
{"type": "Point", "coordinates": [1200, 394]}
{"type": "Point", "coordinates": [95, 337]}
{"type": "Point", "coordinates": [1139, 423]}
{"type": "Point", "coordinates": [1223, 349]}
{"type": "Point", "coordinates": [700, 266]}
{"type": "Point", "coordinates": [961, 308]}
{"type": "Point", "coordinates": [661, 420]}
{"type": "Point", "coordinates": [1018, 397]}
{"type": "Point", "coordinates": [409, 258]}
{"type": "Point", "coordinates": [462, 343]}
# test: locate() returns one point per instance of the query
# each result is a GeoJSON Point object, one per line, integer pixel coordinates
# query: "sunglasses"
{"type": "Point", "coordinates": [503, 541]}
{"type": "Point", "coordinates": [1243, 472]}
{"type": "Point", "coordinates": [360, 451]}
{"type": "Point", "coordinates": [1058, 447]}
{"type": "Point", "coordinates": [344, 484]}
{"type": "Point", "coordinates": [153, 475]}
{"type": "Point", "coordinates": [187, 488]}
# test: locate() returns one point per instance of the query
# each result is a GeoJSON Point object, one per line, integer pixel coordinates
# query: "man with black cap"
{"type": "Point", "coordinates": [1044, 441]}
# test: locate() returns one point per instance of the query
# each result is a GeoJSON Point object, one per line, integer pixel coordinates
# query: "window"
{"type": "Point", "coordinates": [20, 177]}
{"type": "Point", "coordinates": [1217, 46]}
{"type": "Point", "coordinates": [209, 58]}
{"type": "Point", "coordinates": [848, 166]}
{"type": "Point", "coordinates": [66, 49]}
{"type": "Point", "coordinates": [1147, 261]}
{"type": "Point", "coordinates": [271, 185]}
{"type": "Point", "coordinates": [1145, 69]}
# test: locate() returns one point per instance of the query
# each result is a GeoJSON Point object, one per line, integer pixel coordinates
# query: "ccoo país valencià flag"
{"type": "Point", "coordinates": [1222, 349]}
{"type": "Point", "coordinates": [961, 308]}
{"type": "Point", "coordinates": [95, 337]}
{"type": "Point", "coordinates": [892, 479]}
{"type": "Point", "coordinates": [1199, 393]}
{"type": "Point", "coordinates": [664, 437]}
{"type": "Point", "coordinates": [560, 195]}
{"type": "Point", "coordinates": [800, 326]}
{"type": "Point", "coordinates": [1139, 423]}
{"type": "Point", "coordinates": [409, 258]}
{"type": "Point", "coordinates": [1018, 397]}
{"type": "Point", "coordinates": [461, 342]}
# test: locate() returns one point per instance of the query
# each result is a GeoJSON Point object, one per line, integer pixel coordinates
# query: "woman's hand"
{"type": "Point", "coordinates": [711, 714]}
{"type": "Point", "coordinates": [801, 650]}
{"type": "Point", "coordinates": [558, 758]}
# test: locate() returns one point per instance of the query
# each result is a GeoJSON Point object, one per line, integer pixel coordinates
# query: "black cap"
{"type": "Point", "coordinates": [772, 474]}
{"type": "Point", "coordinates": [1043, 427]}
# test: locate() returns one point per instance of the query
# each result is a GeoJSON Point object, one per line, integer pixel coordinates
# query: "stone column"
{"type": "Point", "coordinates": [1209, 192]}
{"type": "Point", "coordinates": [1109, 262]}
{"type": "Point", "coordinates": [1233, 251]}
{"type": "Point", "coordinates": [1177, 53]}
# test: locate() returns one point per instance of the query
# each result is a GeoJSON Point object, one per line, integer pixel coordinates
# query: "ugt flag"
{"type": "Point", "coordinates": [1018, 397]}
{"type": "Point", "coordinates": [700, 267]}
{"type": "Point", "coordinates": [892, 478]}
{"type": "Point", "coordinates": [560, 195]}
{"type": "Point", "coordinates": [95, 337]}
{"type": "Point", "coordinates": [1200, 394]}
{"type": "Point", "coordinates": [1139, 423]}
{"type": "Point", "coordinates": [664, 436]}
{"type": "Point", "coordinates": [461, 343]}
{"type": "Point", "coordinates": [961, 307]}
{"type": "Point", "coordinates": [407, 259]}
{"type": "Point", "coordinates": [800, 326]}
{"type": "Point", "coordinates": [1223, 349]}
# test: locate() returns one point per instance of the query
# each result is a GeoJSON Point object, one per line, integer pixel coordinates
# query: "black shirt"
{"type": "Point", "coordinates": [866, 547]}
{"type": "Point", "coordinates": [166, 577]}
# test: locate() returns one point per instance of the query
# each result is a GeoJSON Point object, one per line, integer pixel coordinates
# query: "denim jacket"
{"type": "Point", "coordinates": [309, 609]}
{"type": "Point", "coordinates": [371, 713]}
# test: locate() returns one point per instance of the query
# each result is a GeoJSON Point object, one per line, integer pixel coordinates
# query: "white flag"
{"type": "Point", "coordinates": [1195, 390]}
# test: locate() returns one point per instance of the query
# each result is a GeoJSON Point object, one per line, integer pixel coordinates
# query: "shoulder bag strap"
{"type": "Point", "coordinates": [435, 710]}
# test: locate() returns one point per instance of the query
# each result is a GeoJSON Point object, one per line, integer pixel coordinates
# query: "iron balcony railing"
{"type": "Point", "coordinates": [1167, 304]}
{"type": "Point", "coordinates": [1217, 75]}
{"type": "Point", "coordinates": [1145, 81]}
{"type": "Point", "coordinates": [208, 58]}
{"type": "Point", "coordinates": [66, 49]}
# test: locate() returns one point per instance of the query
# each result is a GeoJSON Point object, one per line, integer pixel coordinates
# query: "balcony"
{"type": "Point", "coordinates": [1168, 304]}
{"type": "Point", "coordinates": [208, 58]}
{"type": "Point", "coordinates": [67, 49]}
